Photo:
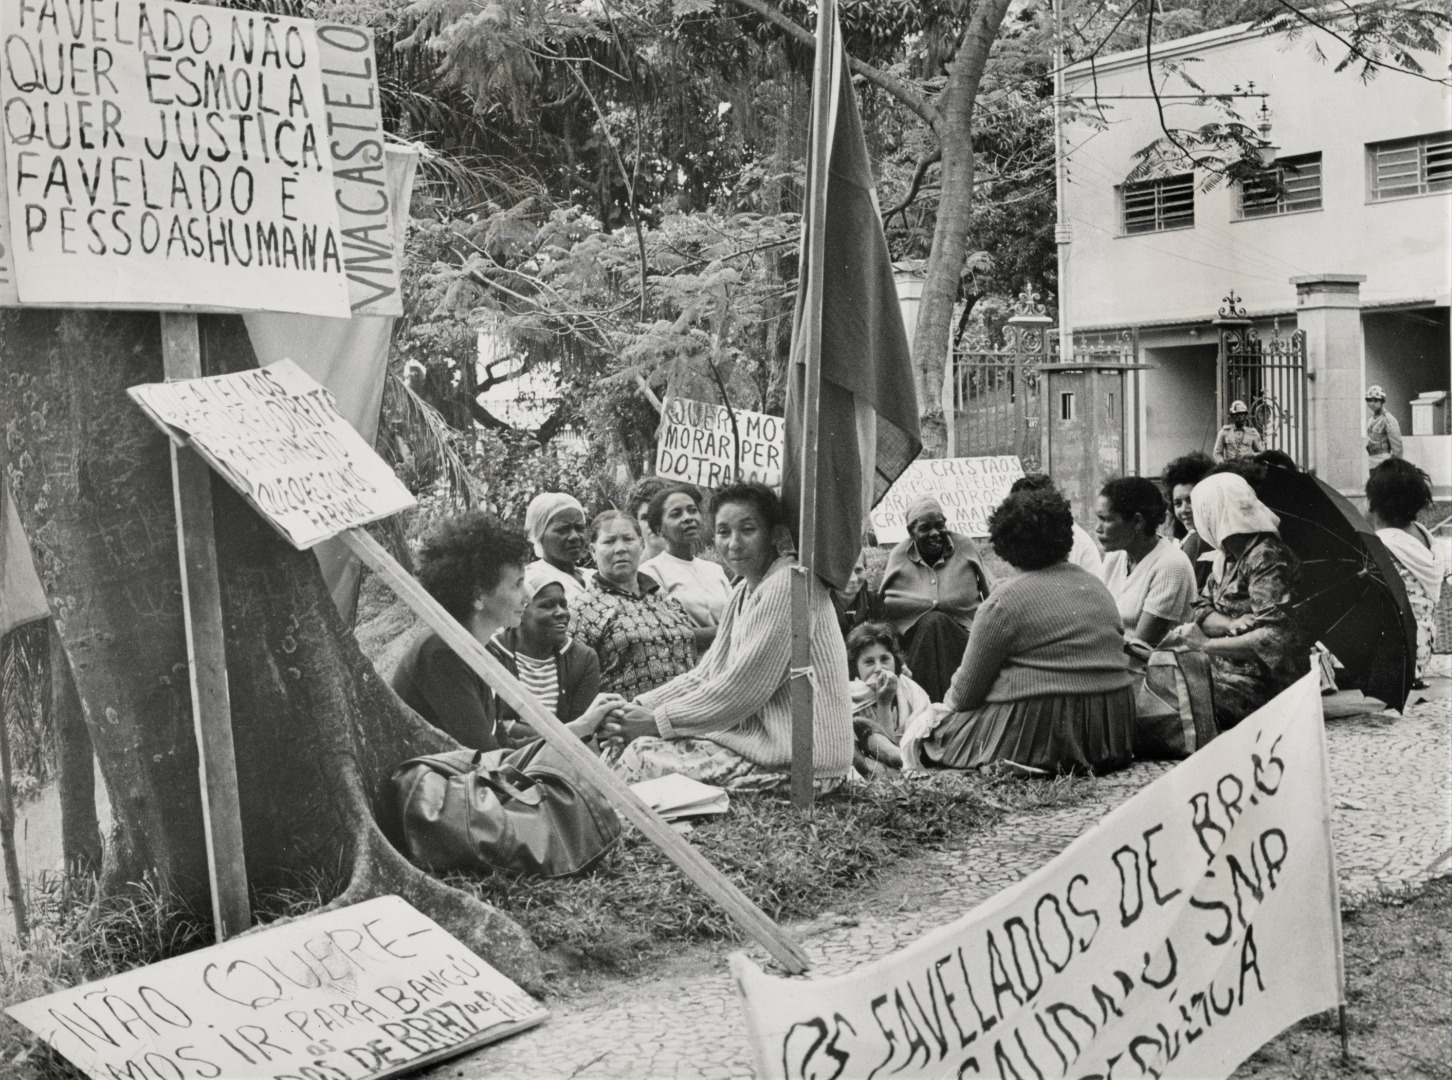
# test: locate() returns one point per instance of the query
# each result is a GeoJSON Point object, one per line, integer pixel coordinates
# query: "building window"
{"type": "Point", "coordinates": [1296, 187]}
{"type": "Point", "coordinates": [1157, 205]}
{"type": "Point", "coordinates": [1410, 166]}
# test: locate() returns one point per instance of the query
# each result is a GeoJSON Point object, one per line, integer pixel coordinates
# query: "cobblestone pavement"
{"type": "Point", "coordinates": [1391, 780]}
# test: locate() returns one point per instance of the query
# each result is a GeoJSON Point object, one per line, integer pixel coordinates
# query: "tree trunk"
{"type": "Point", "coordinates": [75, 767]}
{"type": "Point", "coordinates": [955, 217]}
{"type": "Point", "coordinates": [317, 731]}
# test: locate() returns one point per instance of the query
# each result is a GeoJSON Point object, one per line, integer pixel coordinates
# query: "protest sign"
{"type": "Point", "coordinates": [1194, 923]}
{"type": "Point", "coordinates": [363, 992]}
{"type": "Point", "coordinates": [699, 445]}
{"type": "Point", "coordinates": [274, 434]}
{"type": "Point", "coordinates": [169, 155]}
{"type": "Point", "coordinates": [355, 148]}
{"type": "Point", "coordinates": [968, 488]}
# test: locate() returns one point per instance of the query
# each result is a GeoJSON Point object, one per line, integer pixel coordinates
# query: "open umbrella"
{"type": "Point", "coordinates": [1352, 597]}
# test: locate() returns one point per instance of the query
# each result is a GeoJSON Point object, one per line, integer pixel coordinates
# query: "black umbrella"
{"type": "Point", "coordinates": [1352, 597]}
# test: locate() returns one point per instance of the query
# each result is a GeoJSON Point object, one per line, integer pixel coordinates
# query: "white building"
{"type": "Point", "coordinates": [1357, 246]}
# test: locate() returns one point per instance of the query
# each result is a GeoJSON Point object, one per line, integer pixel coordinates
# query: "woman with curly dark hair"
{"type": "Point", "coordinates": [1044, 685]}
{"type": "Point", "coordinates": [1396, 492]}
{"type": "Point", "coordinates": [1180, 477]}
{"type": "Point", "coordinates": [473, 565]}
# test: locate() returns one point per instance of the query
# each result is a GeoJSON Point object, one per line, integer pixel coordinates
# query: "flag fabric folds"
{"type": "Point", "coordinates": [867, 430]}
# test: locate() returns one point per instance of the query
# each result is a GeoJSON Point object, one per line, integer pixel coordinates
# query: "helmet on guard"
{"type": "Point", "coordinates": [1238, 407]}
{"type": "Point", "coordinates": [1375, 393]}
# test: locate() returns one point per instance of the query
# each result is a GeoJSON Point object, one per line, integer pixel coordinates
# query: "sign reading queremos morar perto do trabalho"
{"type": "Point", "coordinates": [180, 156]}
{"type": "Point", "coordinates": [274, 434]}
{"type": "Point", "coordinates": [360, 993]}
{"type": "Point", "coordinates": [712, 445]}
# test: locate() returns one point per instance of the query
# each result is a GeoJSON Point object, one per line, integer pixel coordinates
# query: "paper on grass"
{"type": "Point", "coordinates": [675, 796]}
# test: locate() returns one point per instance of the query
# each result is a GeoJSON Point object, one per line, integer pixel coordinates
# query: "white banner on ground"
{"type": "Point", "coordinates": [174, 155]}
{"type": "Point", "coordinates": [274, 434]}
{"type": "Point", "coordinates": [698, 444]}
{"type": "Point", "coordinates": [1194, 923]}
{"type": "Point", "coordinates": [968, 488]}
{"type": "Point", "coordinates": [360, 993]}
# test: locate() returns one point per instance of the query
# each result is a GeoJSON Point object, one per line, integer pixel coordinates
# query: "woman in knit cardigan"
{"type": "Point", "coordinates": [1044, 685]}
{"type": "Point", "coordinates": [729, 721]}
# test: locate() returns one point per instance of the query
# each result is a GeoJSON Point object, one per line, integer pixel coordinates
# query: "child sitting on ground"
{"type": "Point", "coordinates": [884, 696]}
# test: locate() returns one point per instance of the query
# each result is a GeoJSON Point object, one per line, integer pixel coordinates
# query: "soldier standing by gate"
{"type": "Point", "coordinates": [1383, 433]}
{"type": "Point", "coordinates": [1239, 438]}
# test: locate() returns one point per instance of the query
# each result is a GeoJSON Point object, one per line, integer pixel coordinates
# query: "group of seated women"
{"type": "Point", "coordinates": [678, 663]}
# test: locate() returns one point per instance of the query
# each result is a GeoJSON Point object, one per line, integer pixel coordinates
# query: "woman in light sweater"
{"type": "Point", "coordinates": [729, 721]}
{"type": "Point", "coordinates": [1045, 684]}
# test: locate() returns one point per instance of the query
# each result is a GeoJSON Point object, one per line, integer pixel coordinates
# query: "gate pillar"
{"type": "Point", "coordinates": [1328, 310]}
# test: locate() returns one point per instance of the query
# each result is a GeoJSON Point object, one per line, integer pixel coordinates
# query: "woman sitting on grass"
{"type": "Point", "coordinates": [1044, 685]}
{"type": "Point", "coordinates": [698, 585]}
{"type": "Point", "coordinates": [729, 722]}
{"type": "Point", "coordinates": [1150, 578]}
{"type": "Point", "coordinates": [561, 672]}
{"type": "Point", "coordinates": [474, 567]}
{"type": "Point", "coordinates": [1396, 492]}
{"type": "Point", "coordinates": [884, 696]}
{"type": "Point", "coordinates": [555, 523]}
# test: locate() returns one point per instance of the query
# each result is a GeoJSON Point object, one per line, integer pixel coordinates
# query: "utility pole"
{"type": "Point", "coordinates": [1063, 235]}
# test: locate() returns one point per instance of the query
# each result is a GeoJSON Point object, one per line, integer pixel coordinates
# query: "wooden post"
{"type": "Point", "coordinates": [206, 651]}
{"type": "Point", "coordinates": [13, 883]}
{"type": "Point", "coordinates": [586, 765]}
{"type": "Point", "coordinates": [824, 86]}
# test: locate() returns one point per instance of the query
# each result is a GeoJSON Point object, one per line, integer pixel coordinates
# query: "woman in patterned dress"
{"type": "Point", "coordinates": [1396, 493]}
{"type": "Point", "coordinates": [1244, 621]}
{"type": "Point", "coordinates": [643, 637]}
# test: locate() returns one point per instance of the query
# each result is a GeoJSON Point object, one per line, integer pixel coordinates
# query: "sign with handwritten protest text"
{"type": "Point", "coordinates": [170, 155]}
{"type": "Point", "coordinates": [274, 434]}
{"type": "Point", "coordinates": [1190, 926]}
{"type": "Point", "coordinates": [699, 444]}
{"type": "Point", "coordinates": [968, 488]}
{"type": "Point", "coordinates": [360, 993]}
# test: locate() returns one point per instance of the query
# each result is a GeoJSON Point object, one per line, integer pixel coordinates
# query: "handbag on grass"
{"type": "Point", "coordinates": [505, 810]}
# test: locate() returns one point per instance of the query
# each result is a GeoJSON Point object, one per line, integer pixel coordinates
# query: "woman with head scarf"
{"type": "Point", "coordinates": [931, 589]}
{"type": "Point", "coordinates": [555, 524]}
{"type": "Point", "coordinates": [1245, 620]}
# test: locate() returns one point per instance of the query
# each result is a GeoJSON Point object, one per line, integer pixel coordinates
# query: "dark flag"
{"type": "Point", "coordinates": [847, 311]}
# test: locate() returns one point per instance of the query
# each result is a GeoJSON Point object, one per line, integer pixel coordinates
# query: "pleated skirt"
{"type": "Point", "coordinates": [1059, 733]}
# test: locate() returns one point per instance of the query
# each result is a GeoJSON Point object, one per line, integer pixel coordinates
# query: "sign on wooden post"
{"type": "Point", "coordinates": [357, 993]}
{"type": "Point", "coordinates": [228, 418]}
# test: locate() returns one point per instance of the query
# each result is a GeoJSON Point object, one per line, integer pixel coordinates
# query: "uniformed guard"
{"type": "Point", "coordinates": [1239, 438]}
{"type": "Point", "coordinates": [1383, 433]}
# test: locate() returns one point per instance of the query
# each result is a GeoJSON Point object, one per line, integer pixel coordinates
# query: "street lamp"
{"type": "Point", "coordinates": [1267, 149]}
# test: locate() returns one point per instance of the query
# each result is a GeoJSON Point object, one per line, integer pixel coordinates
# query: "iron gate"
{"type": "Point", "coordinates": [1269, 375]}
{"type": "Point", "coordinates": [997, 390]}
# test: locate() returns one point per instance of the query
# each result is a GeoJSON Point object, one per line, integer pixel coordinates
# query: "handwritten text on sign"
{"type": "Point", "coordinates": [968, 488]}
{"type": "Point", "coordinates": [699, 445]}
{"type": "Point", "coordinates": [1189, 927]}
{"type": "Point", "coordinates": [275, 435]}
{"type": "Point", "coordinates": [167, 154]}
{"type": "Point", "coordinates": [364, 992]}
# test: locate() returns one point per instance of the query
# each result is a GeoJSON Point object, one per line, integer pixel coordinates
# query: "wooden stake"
{"type": "Point", "coordinates": [587, 766]}
{"type": "Point", "coordinates": [206, 651]}
{"type": "Point", "coordinates": [13, 883]}
{"type": "Point", "coordinates": [824, 86]}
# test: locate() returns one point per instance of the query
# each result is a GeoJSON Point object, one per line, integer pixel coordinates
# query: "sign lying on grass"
{"type": "Point", "coordinates": [360, 993]}
{"type": "Point", "coordinates": [170, 155]}
{"type": "Point", "coordinates": [968, 488]}
{"type": "Point", "coordinates": [1190, 926]}
{"type": "Point", "coordinates": [274, 434]}
{"type": "Point", "coordinates": [699, 445]}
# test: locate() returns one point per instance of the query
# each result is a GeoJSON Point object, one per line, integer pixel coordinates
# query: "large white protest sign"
{"type": "Point", "coordinates": [699, 444]}
{"type": "Point", "coordinates": [1194, 923]}
{"type": "Point", "coordinates": [170, 155]}
{"type": "Point", "coordinates": [274, 434]}
{"type": "Point", "coordinates": [363, 992]}
{"type": "Point", "coordinates": [967, 488]}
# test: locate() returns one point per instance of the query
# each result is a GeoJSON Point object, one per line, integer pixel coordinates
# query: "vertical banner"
{"type": "Point", "coordinates": [1189, 927]}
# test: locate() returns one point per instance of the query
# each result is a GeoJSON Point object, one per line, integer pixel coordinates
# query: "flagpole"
{"type": "Point", "coordinates": [1334, 885]}
{"type": "Point", "coordinates": [814, 226]}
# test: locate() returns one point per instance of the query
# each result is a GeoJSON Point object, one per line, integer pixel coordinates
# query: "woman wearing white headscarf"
{"type": "Point", "coordinates": [1245, 619]}
{"type": "Point", "coordinates": [555, 524]}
